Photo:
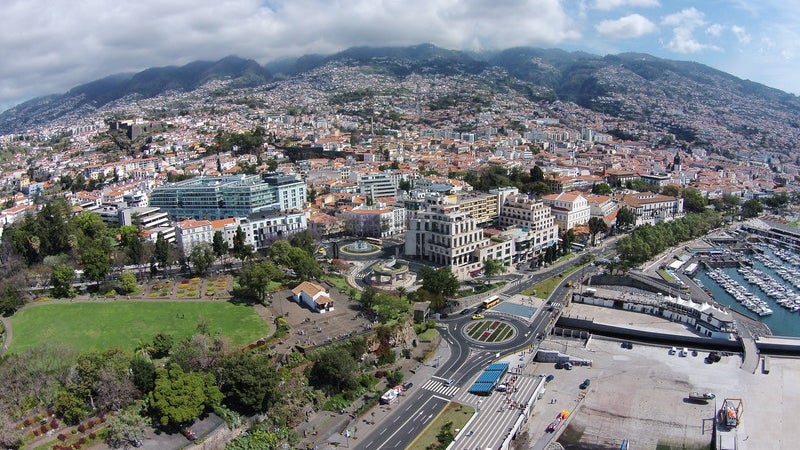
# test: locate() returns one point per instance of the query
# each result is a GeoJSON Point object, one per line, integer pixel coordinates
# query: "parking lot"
{"type": "Point", "coordinates": [640, 395]}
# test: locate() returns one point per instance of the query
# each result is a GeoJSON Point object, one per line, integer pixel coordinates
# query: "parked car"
{"type": "Point", "coordinates": [585, 383]}
{"type": "Point", "coordinates": [189, 434]}
{"type": "Point", "coordinates": [465, 311]}
{"type": "Point", "coordinates": [549, 378]}
{"type": "Point", "coordinates": [407, 385]}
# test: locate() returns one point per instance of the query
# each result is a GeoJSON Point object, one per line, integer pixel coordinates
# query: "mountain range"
{"type": "Point", "coordinates": [694, 101]}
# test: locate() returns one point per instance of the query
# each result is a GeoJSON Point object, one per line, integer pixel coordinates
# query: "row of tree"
{"type": "Point", "coordinates": [647, 241]}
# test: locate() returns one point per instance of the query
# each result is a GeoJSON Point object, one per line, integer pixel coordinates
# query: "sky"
{"type": "Point", "coordinates": [50, 46]}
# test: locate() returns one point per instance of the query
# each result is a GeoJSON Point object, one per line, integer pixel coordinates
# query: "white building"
{"type": "Point", "coordinates": [314, 296]}
{"type": "Point", "coordinates": [650, 208]}
{"type": "Point", "coordinates": [569, 209]}
{"type": "Point", "coordinates": [446, 236]}
{"type": "Point", "coordinates": [190, 232]}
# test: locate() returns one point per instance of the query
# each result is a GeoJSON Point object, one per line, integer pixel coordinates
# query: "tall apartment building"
{"type": "Point", "coordinates": [377, 184]}
{"type": "Point", "coordinates": [480, 206]}
{"type": "Point", "coordinates": [230, 196]}
{"type": "Point", "coordinates": [446, 236]}
{"type": "Point", "coordinates": [535, 222]}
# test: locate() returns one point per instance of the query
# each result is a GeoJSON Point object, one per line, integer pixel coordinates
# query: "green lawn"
{"type": "Point", "coordinates": [454, 412]}
{"type": "Point", "coordinates": [96, 326]}
{"type": "Point", "coordinates": [546, 286]}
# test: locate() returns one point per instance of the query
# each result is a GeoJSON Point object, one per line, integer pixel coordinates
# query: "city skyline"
{"type": "Point", "coordinates": [53, 46]}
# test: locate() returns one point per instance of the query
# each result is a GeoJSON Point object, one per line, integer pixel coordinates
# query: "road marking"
{"type": "Point", "coordinates": [388, 439]}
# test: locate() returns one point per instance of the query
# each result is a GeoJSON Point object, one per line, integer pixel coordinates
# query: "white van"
{"type": "Point", "coordinates": [673, 350]}
{"type": "Point", "coordinates": [684, 351]}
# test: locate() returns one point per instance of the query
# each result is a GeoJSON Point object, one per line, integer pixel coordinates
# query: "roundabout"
{"type": "Point", "coordinates": [490, 331]}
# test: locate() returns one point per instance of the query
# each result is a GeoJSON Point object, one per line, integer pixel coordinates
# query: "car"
{"type": "Point", "coordinates": [673, 350]}
{"type": "Point", "coordinates": [448, 382]}
{"type": "Point", "coordinates": [568, 365]}
{"type": "Point", "coordinates": [585, 383]}
{"type": "Point", "coordinates": [407, 385]}
{"type": "Point", "coordinates": [465, 311]}
{"type": "Point", "coordinates": [478, 316]}
{"type": "Point", "coordinates": [549, 378]}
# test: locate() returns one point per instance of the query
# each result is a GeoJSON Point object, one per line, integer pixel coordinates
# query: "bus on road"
{"type": "Point", "coordinates": [490, 302]}
{"type": "Point", "coordinates": [374, 241]}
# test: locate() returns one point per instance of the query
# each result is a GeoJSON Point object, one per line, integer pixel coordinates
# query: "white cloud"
{"type": "Point", "coordinates": [630, 26]}
{"type": "Point", "coordinates": [52, 45]}
{"type": "Point", "coordinates": [684, 23]}
{"type": "Point", "coordinates": [613, 4]}
{"type": "Point", "coordinates": [715, 29]}
{"type": "Point", "coordinates": [741, 34]}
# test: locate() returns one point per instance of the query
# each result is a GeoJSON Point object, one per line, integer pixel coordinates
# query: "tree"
{"type": "Point", "coordinates": [626, 217]}
{"type": "Point", "coordinates": [255, 278]}
{"type": "Point", "coordinates": [161, 253]}
{"type": "Point", "coordinates": [61, 279]}
{"type": "Point", "coordinates": [162, 344]}
{"type": "Point", "coordinates": [249, 382]}
{"type": "Point", "coordinates": [180, 397]}
{"type": "Point", "coordinates": [279, 252]}
{"type": "Point", "coordinates": [693, 201]}
{"type": "Point", "coordinates": [537, 174]}
{"type": "Point", "coordinates": [219, 245]}
{"type": "Point", "coordinates": [304, 240]}
{"type": "Point", "coordinates": [96, 263]}
{"type": "Point", "coordinates": [143, 373]}
{"type": "Point", "coordinates": [127, 282]}
{"type": "Point", "coordinates": [201, 257]}
{"type": "Point", "coordinates": [115, 389]}
{"type": "Point", "coordinates": [69, 406]}
{"type": "Point", "coordinates": [566, 240]}
{"type": "Point", "coordinates": [672, 190]}
{"type": "Point", "coordinates": [240, 249]}
{"type": "Point", "coordinates": [10, 435]}
{"type": "Point", "coordinates": [601, 189]}
{"type": "Point", "coordinates": [127, 429]}
{"type": "Point", "coordinates": [10, 300]}
{"type": "Point", "coordinates": [439, 281]}
{"type": "Point", "coordinates": [492, 267]}
{"type": "Point", "coordinates": [305, 267]}
{"type": "Point", "coordinates": [752, 208]}
{"type": "Point", "coordinates": [334, 370]}
{"type": "Point", "coordinates": [131, 240]}
{"type": "Point", "coordinates": [596, 226]}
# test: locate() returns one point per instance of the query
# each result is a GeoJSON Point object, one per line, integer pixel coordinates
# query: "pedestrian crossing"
{"type": "Point", "coordinates": [437, 386]}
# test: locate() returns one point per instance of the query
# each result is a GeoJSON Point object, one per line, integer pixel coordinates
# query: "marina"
{"type": "Point", "coordinates": [769, 290]}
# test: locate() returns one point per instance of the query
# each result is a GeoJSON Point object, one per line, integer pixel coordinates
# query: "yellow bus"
{"type": "Point", "coordinates": [490, 302]}
{"type": "Point", "coordinates": [374, 241]}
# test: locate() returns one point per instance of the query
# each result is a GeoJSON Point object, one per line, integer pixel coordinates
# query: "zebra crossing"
{"type": "Point", "coordinates": [437, 386]}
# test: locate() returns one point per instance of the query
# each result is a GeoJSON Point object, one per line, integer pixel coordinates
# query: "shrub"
{"type": "Point", "coordinates": [36, 432]}
{"type": "Point", "coordinates": [92, 435]}
{"type": "Point", "coordinates": [82, 428]}
{"type": "Point", "coordinates": [27, 422]}
{"type": "Point", "coordinates": [53, 424]}
{"type": "Point", "coordinates": [90, 423]}
{"type": "Point", "coordinates": [62, 437]}
{"type": "Point", "coordinates": [43, 429]}
{"type": "Point", "coordinates": [82, 440]}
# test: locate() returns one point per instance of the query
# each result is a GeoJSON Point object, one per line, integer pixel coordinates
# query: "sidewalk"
{"type": "Point", "coordinates": [361, 427]}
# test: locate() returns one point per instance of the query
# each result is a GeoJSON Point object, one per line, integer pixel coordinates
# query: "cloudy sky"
{"type": "Point", "coordinates": [49, 46]}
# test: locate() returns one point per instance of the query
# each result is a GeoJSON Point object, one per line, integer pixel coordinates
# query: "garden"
{"type": "Point", "coordinates": [490, 331]}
